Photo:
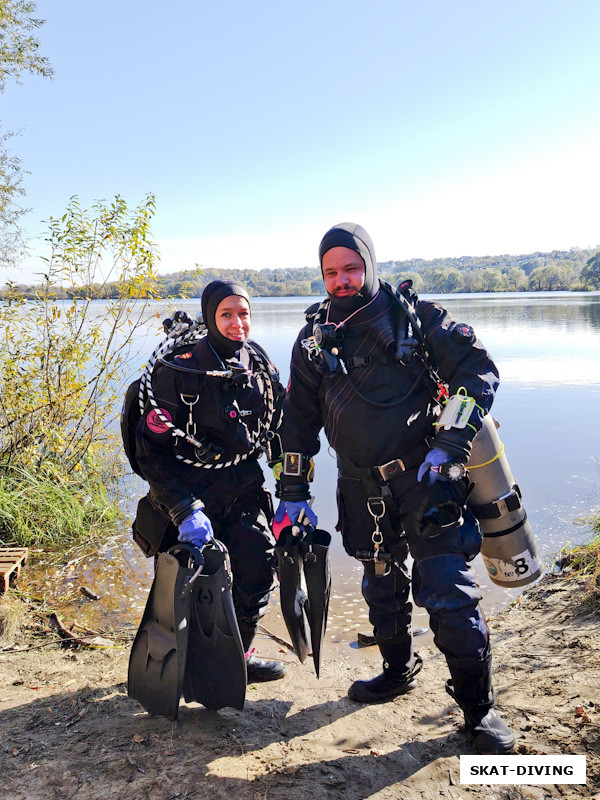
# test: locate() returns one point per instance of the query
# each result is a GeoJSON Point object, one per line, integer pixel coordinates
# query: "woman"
{"type": "Point", "coordinates": [212, 402]}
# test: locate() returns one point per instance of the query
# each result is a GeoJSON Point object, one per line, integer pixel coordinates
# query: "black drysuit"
{"type": "Point", "coordinates": [224, 416]}
{"type": "Point", "coordinates": [380, 411]}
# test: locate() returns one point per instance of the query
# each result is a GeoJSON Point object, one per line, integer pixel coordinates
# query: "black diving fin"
{"type": "Point", "coordinates": [304, 550]}
{"type": "Point", "coordinates": [292, 596]}
{"type": "Point", "coordinates": [317, 574]}
{"type": "Point", "coordinates": [159, 651]}
{"type": "Point", "coordinates": [215, 673]}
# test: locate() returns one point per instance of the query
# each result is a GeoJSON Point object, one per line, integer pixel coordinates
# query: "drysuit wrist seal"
{"type": "Point", "coordinates": [457, 444]}
{"type": "Point", "coordinates": [292, 492]}
{"type": "Point", "coordinates": [183, 509]}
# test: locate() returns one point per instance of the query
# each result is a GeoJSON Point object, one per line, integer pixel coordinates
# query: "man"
{"type": "Point", "coordinates": [373, 373]}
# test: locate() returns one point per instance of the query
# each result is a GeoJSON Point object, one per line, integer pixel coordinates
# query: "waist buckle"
{"type": "Point", "coordinates": [387, 471]}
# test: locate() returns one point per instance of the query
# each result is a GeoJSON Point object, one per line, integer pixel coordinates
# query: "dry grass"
{"type": "Point", "coordinates": [13, 617]}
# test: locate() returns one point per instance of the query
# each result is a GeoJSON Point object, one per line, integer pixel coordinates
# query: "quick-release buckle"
{"type": "Point", "coordinates": [390, 469]}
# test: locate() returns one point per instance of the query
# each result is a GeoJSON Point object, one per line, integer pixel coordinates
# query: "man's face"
{"type": "Point", "coordinates": [343, 272]}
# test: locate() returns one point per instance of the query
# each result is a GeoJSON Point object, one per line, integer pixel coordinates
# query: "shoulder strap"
{"type": "Point", "coordinates": [317, 312]}
{"type": "Point", "coordinates": [404, 295]}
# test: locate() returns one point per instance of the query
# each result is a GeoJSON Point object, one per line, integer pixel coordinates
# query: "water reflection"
{"type": "Point", "coordinates": [119, 575]}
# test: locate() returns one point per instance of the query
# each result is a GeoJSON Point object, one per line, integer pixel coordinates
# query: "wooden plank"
{"type": "Point", "coordinates": [11, 560]}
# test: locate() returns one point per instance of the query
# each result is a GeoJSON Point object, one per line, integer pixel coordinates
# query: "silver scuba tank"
{"type": "Point", "coordinates": [509, 550]}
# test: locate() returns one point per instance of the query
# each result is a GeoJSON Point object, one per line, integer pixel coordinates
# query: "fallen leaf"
{"type": "Point", "coordinates": [137, 737]}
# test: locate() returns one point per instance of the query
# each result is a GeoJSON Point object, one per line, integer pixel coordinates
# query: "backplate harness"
{"type": "Point", "coordinates": [412, 344]}
{"type": "Point", "coordinates": [182, 331]}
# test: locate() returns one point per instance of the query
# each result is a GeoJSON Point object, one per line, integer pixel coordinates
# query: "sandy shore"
{"type": "Point", "coordinates": [68, 729]}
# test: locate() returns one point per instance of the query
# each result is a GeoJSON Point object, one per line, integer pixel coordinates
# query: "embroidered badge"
{"type": "Point", "coordinates": [155, 423]}
{"type": "Point", "coordinates": [185, 355]}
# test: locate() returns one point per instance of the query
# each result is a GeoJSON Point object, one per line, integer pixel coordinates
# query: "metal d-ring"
{"type": "Point", "coordinates": [190, 427]}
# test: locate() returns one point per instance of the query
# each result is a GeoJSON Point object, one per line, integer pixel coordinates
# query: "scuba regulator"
{"type": "Point", "coordinates": [329, 337]}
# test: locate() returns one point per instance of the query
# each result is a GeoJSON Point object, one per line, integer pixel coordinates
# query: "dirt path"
{"type": "Point", "coordinates": [68, 729]}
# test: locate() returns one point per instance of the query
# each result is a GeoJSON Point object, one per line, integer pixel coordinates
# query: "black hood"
{"type": "Point", "coordinates": [212, 295]}
{"type": "Point", "coordinates": [355, 237]}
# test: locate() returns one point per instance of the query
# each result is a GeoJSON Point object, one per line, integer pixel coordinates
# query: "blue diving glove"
{"type": "Point", "coordinates": [293, 509]}
{"type": "Point", "coordinates": [196, 529]}
{"type": "Point", "coordinates": [434, 458]}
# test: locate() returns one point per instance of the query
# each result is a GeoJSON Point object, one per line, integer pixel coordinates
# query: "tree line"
{"type": "Point", "coordinates": [572, 270]}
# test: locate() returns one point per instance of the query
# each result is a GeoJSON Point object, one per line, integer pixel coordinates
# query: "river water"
{"type": "Point", "coordinates": [547, 348]}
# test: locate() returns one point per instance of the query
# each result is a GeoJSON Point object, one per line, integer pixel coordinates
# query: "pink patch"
{"type": "Point", "coordinates": [279, 526]}
{"type": "Point", "coordinates": [155, 423]}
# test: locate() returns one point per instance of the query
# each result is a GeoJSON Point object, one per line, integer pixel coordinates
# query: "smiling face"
{"type": "Point", "coordinates": [343, 272]}
{"type": "Point", "coordinates": [232, 318]}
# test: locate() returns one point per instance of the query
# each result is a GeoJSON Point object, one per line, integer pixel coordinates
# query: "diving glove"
{"type": "Point", "coordinates": [196, 529]}
{"type": "Point", "coordinates": [293, 510]}
{"type": "Point", "coordinates": [434, 459]}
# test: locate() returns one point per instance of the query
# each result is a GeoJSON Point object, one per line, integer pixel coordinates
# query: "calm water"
{"type": "Point", "coordinates": [547, 348]}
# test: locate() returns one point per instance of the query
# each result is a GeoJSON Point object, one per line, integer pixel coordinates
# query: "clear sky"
{"type": "Point", "coordinates": [445, 127]}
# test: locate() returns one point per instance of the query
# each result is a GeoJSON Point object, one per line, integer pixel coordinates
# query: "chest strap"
{"type": "Point", "coordinates": [367, 361]}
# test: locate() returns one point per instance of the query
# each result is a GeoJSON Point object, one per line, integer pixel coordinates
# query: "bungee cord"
{"type": "Point", "coordinates": [182, 334]}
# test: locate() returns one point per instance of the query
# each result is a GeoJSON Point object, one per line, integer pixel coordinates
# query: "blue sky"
{"type": "Point", "coordinates": [445, 128]}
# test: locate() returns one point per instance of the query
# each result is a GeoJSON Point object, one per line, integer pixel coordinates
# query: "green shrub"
{"type": "Point", "coordinates": [62, 364]}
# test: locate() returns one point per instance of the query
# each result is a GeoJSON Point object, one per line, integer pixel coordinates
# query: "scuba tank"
{"type": "Point", "coordinates": [509, 550]}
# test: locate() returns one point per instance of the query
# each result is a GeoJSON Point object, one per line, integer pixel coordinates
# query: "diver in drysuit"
{"type": "Point", "coordinates": [212, 486]}
{"type": "Point", "coordinates": [358, 371]}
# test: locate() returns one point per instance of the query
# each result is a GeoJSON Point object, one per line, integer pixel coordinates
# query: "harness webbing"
{"type": "Point", "coordinates": [421, 349]}
{"type": "Point", "coordinates": [191, 335]}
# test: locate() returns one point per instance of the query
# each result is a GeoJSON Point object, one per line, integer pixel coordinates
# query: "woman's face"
{"type": "Point", "coordinates": [232, 318]}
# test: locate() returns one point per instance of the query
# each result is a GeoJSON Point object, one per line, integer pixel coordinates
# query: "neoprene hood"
{"type": "Point", "coordinates": [212, 295]}
{"type": "Point", "coordinates": [355, 237]}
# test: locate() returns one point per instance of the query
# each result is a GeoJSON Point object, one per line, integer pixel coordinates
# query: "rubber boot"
{"type": "Point", "coordinates": [259, 670]}
{"type": "Point", "coordinates": [400, 667]}
{"type": "Point", "coordinates": [471, 687]}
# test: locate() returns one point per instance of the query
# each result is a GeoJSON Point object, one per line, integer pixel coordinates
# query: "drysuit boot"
{"type": "Point", "coordinates": [397, 678]}
{"type": "Point", "coordinates": [261, 669]}
{"type": "Point", "coordinates": [258, 670]}
{"type": "Point", "coordinates": [471, 687]}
